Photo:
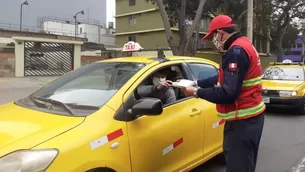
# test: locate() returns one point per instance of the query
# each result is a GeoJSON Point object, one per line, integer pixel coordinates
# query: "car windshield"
{"type": "Point", "coordinates": [289, 74]}
{"type": "Point", "coordinates": [84, 90]}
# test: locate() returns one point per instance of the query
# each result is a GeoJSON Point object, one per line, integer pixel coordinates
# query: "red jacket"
{"type": "Point", "coordinates": [249, 103]}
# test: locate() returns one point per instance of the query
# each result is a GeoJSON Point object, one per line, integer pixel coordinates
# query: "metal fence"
{"type": "Point", "coordinates": [15, 27]}
{"type": "Point", "coordinates": [47, 59]}
{"type": "Point", "coordinates": [53, 31]}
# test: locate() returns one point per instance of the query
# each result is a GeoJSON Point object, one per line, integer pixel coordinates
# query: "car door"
{"type": "Point", "coordinates": [168, 142]}
{"type": "Point", "coordinates": [213, 136]}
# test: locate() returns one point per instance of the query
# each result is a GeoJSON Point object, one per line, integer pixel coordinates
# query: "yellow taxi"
{"type": "Point", "coordinates": [92, 120]}
{"type": "Point", "coordinates": [284, 85]}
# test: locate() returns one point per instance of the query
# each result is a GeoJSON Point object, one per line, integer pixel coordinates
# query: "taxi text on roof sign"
{"type": "Point", "coordinates": [132, 46]}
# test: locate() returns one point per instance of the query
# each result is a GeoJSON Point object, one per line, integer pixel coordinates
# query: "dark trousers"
{"type": "Point", "coordinates": [241, 143]}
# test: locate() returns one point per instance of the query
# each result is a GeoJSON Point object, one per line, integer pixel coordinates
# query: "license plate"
{"type": "Point", "coordinates": [266, 99]}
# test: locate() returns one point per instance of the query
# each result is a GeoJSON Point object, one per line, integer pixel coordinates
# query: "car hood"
{"type": "Point", "coordinates": [22, 128]}
{"type": "Point", "coordinates": [280, 85]}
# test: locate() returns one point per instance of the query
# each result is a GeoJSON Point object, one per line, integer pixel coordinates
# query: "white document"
{"type": "Point", "coordinates": [183, 83]}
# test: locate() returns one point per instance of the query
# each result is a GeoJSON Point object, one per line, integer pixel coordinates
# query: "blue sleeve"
{"type": "Point", "coordinates": [231, 86]}
{"type": "Point", "coordinates": [208, 82]}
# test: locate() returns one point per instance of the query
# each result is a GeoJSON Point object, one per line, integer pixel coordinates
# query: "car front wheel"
{"type": "Point", "coordinates": [302, 109]}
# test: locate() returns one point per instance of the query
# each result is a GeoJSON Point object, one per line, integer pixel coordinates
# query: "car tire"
{"type": "Point", "coordinates": [302, 109]}
{"type": "Point", "coordinates": [101, 170]}
{"type": "Point", "coordinates": [220, 159]}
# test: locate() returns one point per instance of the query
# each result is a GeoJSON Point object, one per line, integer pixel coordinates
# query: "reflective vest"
{"type": "Point", "coordinates": [249, 103]}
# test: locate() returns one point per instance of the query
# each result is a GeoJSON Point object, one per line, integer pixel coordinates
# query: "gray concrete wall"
{"type": "Point", "coordinates": [7, 64]}
{"type": "Point", "coordinates": [8, 67]}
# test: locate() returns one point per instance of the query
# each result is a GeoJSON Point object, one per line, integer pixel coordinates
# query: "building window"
{"type": "Point", "coordinates": [81, 30]}
{"type": "Point", "coordinates": [132, 20]}
{"type": "Point", "coordinates": [204, 23]}
{"type": "Point", "coordinates": [132, 2]}
{"type": "Point", "coordinates": [132, 38]}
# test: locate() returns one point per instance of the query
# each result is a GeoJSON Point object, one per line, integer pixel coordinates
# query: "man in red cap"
{"type": "Point", "coordinates": [236, 91]}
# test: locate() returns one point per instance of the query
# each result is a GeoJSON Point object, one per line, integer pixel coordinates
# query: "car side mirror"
{"type": "Point", "coordinates": [147, 106]}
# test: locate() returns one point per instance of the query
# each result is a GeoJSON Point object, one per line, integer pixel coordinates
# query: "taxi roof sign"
{"type": "Point", "coordinates": [132, 46]}
{"type": "Point", "coordinates": [287, 61]}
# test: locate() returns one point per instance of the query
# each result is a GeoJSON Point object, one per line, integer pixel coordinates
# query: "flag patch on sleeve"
{"type": "Point", "coordinates": [232, 66]}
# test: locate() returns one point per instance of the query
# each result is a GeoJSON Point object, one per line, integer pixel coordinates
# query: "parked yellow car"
{"type": "Point", "coordinates": [284, 85]}
{"type": "Point", "coordinates": [91, 120]}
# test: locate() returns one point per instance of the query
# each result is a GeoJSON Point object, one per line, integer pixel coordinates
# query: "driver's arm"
{"type": "Point", "coordinates": [146, 90]}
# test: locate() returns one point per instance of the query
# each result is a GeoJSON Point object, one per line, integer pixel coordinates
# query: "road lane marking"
{"type": "Point", "coordinates": [299, 167]}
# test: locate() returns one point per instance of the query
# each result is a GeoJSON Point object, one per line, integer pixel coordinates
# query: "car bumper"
{"type": "Point", "coordinates": [284, 101]}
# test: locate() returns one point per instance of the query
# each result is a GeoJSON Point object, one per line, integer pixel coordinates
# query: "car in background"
{"type": "Point", "coordinates": [284, 85]}
{"type": "Point", "coordinates": [91, 119]}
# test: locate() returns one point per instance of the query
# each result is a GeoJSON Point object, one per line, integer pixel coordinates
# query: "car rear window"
{"type": "Point", "coordinates": [284, 73]}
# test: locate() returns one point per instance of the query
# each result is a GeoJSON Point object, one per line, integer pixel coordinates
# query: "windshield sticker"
{"type": "Point", "coordinates": [274, 73]}
{"type": "Point", "coordinates": [216, 124]}
{"type": "Point", "coordinates": [106, 139]}
{"type": "Point", "coordinates": [172, 146]}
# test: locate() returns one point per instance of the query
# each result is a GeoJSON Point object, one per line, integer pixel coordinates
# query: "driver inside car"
{"type": "Point", "coordinates": [159, 88]}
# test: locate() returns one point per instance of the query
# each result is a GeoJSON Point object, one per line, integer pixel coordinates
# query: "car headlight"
{"type": "Point", "coordinates": [288, 93]}
{"type": "Point", "coordinates": [28, 160]}
{"type": "Point", "coordinates": [294, 93]}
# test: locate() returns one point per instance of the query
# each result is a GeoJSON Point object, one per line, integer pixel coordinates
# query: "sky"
{"type": "Point", "coordinates": [10, 10]}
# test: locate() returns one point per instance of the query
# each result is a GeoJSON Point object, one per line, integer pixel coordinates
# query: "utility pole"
{"type": "Point", "coordinates": [303, 38]}
{"type": "Point", "coordinates": [75, 18]}
{"type": "Point", "coordinates": [24, 3]}
{"type": "Point", "coordinates": [250, 20]}
{"type": "Point", "coordinates": [303, 44]}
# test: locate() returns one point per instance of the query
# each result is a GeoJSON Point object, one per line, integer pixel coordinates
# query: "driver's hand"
{"type": "Point", "coordinates": [164, 84]}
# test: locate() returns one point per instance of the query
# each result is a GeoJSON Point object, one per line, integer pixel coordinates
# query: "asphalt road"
{"type": "Point", "coordinates": [282, 145]}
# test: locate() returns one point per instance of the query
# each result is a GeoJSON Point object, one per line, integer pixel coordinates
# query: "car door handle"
{"type": "Point", "coordinates": [195, 113]}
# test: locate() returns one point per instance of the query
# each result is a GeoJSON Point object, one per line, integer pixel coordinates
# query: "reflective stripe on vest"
{"type": "Point", "coordinates": [252, 82]}
{"type": "Point", "coordinates": [249, 82]}
{"type": "Point", "coordinates": [242, 112]}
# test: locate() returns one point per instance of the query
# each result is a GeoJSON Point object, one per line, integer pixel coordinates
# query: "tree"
{"type": "Point", "coordinates": [179, 12]}
{"type": "Point", "coordinates": [284, 12]}
{"type": "Point", "coordinates": [290, 36]}
{"type": "Point", "coordinates": [236, 9]}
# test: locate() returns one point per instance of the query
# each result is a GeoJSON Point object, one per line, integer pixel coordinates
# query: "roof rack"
{"type": "Point", "coordinates": [287, 63]}
{"type": "Point", "coordinates": [281, 63]}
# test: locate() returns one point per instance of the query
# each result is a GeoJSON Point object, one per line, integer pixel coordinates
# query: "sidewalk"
{"type": "Point", "coordinates": [13, 88]}
{"type": "Point", "coordinates": [24, 82]}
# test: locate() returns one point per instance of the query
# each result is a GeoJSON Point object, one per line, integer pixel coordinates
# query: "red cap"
{"type": "Point", "coordinates": [218, 22]}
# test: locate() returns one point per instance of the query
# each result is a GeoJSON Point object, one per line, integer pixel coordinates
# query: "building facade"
{"type": "Point", "coordinates": [139, 21]}
{"type": "Point", "coordinates": [94, 32]}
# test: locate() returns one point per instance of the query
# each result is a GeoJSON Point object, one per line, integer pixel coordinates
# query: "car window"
{"type": "Point", "coordinates": [90, 86]}
{"type": "Point", "coordinates": [284, 73]}
{"type": "Point", "coordinates": [203, 71]}
{"type": "Point", "coordinates": [167, 96]}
